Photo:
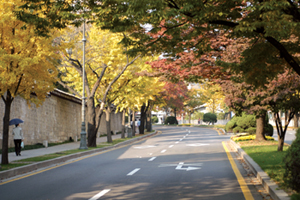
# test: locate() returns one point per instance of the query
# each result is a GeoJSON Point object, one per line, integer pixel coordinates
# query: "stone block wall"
{"type": "Point", "coordinates": [56, 120]}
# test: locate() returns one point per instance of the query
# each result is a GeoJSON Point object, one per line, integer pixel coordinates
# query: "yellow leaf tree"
{"type": "Point", "coordinates": [105, 63]}
{"type": "Point", "coordinates": [27, 64]}
{"type": "Point", "coordinates": [212, 95]}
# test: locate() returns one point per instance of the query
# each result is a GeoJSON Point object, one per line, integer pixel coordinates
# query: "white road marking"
{"type": "Point", "coordinates": [189, 131]}
{"type": "Point", "coordinates": [150, 154]}
{"type": "Point", "coordinates": [144, 147]}
{"type": "Point", "coordinates": [163, 151]}
{"type": "Point", "coordinates": [100, 194]}
{"type": "Point", "coordinates": [133, 171]}
{"type": "Point", "coordinates": [196, 145]}
{"type": "Point", "coordinates": [187, 134]}
{"type": "Point", "coordinates": [181, 165]}
{"type": "Point", "coordinates": [171, 146]}
{"type": "Point", "coordinates": [176, 142]}
{"type": "Point", "coordinates": [184, 136]}
{"type": "Point", "coordinates": [180, 140]}
{"type": "Point", "coordinates": [151, 159]}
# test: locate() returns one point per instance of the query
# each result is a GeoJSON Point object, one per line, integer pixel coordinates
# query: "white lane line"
{"type": "Point", "coordinates": [100, 194]}
{"type": "Point", "coordinates": [180, 140]}
{"type": "Point", "coordinates": [171, 146]}
{"type": "Point", "coordinates": [151, 159]}
{"type": "Point", "coordinates": [163, 151]}
{"type": "Point", "coordinates": [133, 171]}
{"type": "Point", "coordinates": [187, 134]}
{"type": "Point", "coordinates": [184, 136]}
{"type": "Point", "coordinates": [176, 142]}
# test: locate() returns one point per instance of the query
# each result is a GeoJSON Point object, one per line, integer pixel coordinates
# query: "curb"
{"type": "Point", "coordinates": [268, 184]}
{"type": "Point", "coordinates": [28, 168]}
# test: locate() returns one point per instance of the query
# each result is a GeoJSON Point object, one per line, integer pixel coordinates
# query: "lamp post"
{"type": "Point", "coordinates": [83, 132]}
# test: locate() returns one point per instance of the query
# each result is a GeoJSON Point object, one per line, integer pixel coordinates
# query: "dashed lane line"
{"type": "Point", "coordinates": [100, 194]}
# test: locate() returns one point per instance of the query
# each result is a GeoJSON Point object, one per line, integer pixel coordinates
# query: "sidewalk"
{"type": "Point", "coordinates": [54, 149]}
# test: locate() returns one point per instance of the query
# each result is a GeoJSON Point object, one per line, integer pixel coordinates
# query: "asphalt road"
{"type": "Point", "coordinates": [290, 136]}
{"type": "Point", "coordinates": [180, 163]}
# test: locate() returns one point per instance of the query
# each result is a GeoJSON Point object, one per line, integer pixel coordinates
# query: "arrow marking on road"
{"type": "Point", "coordinates": [181, 165]}
{"type": "Point", "coordinates": [196, 145]}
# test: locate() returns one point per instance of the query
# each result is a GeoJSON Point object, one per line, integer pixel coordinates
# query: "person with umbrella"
{"type": "Point", "coordinates": [18, 135]}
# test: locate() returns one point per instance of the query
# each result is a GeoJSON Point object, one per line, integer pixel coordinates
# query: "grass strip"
{"type": "Point", "coordinates": [271, 161]}
{"type": "Point", "coordinates": [28, 161]}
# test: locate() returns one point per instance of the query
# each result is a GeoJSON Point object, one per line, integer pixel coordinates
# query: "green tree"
{"type": "Point", "coordinates": [210, 118]}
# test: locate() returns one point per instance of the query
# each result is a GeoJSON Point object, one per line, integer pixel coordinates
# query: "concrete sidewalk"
{"type": "Point", "coordinates": [54, 149]}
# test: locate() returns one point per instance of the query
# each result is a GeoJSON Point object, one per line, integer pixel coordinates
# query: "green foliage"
{"type": "Point", "coordinates": [154, 119]}
{"type": "Point", "coordinates": [242, 123]}
{"type": "Point", "coordinates": [251, 130]}
{"type": "Point", "coordinates": [171, 120]}
{"type": "Point", "coordinates": [292, 164]}
{"type": "Point", "coordinates": [246, 121]}
{"type": "Point", "coordinates": [210, 117]}
{"type": "Point", "coordinates": [220, 116]}
{"type": "Point", "coordinates": [269, 130]}
{"type": "Point", "coordinates": [238, 130]}
{"type": "Point", "coordinates": [197, 115]}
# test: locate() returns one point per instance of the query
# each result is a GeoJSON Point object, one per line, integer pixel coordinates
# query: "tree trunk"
{"type": "Point", "coordinates": [123, 124]}
{"type": "Point", "coordinates": [91, 122]}
{"type": "Point", "coordinates": [175, 112]}
{"type": "Point", "coordinates": [296, 119]}
{"type": "Point", "coordinates": [260, 136]}
{"type": "Point", "coordinates": [8, 101]}
{"type": "Point", "coordinates": [99, 112]}
{"type": "Point", "coordinates": [280, 131]}
{"type": "Point", "coordinates": [144, 109]}
{"type": "Point", "coordinates": [280, 143]}
{"type": "Point", "coordinates": [149, 122]}
{"type": "Point", "coordinates": [133, 123]}
{"type": "Point", "coordinates": [108, 127]}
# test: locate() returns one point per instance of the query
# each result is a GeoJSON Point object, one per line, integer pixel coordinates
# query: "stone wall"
{"type": "Point", "coordinates": [57, 119]}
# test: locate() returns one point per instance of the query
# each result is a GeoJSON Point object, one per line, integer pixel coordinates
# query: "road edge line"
{"type": "Point", "coordinates": [243, 185]}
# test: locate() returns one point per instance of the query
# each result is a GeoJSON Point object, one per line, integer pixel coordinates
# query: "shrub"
{"type": "Point", "coordinates": [246, 121]}
{"type": "Point", "coordinates": [171, 120]}
{"type": "Point", "coordinates": [251, 130]}
{"type": "Point", "coordinates": [269, 130]}
{"type": "Point", "coordinates": [229, 126]}
{"type": "Point", "coordinates": [154, 119]}
{"type": "Point", "coordinates": [238, 130]}
{"type": "Point", "coordinates": [292, 164]}
{"type": "Point", "coordinates": [210, 117]}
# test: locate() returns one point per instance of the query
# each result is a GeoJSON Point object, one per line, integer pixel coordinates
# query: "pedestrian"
{"type": "Point", "coordinates": [136, 125]}
{"type": "Point", "coordinates": [18, 138]}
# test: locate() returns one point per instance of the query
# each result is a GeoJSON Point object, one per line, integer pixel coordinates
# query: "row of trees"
{"type": "Point", "coordinates": [31, 64]}
{"type": "Point", "coordinates": [247, 42]}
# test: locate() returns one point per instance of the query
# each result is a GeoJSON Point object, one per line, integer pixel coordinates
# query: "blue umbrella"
{"type": "Point", "coordinates": [15, 121]}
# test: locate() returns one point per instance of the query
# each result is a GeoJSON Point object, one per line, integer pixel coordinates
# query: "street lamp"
{"type": "Point", "coordinates": [83, 132]}
{"type": "Point", "coordinates": [83, 144]}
